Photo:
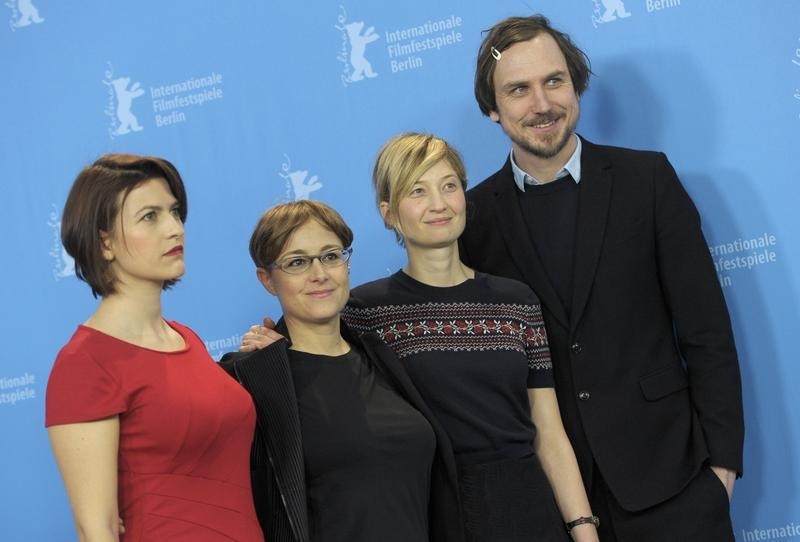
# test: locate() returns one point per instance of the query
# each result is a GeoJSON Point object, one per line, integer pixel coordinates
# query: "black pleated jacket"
{"type": "Point", "coordinates": [276, 460]}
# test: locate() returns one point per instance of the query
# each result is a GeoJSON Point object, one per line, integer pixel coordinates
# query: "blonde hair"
{"type": "Point", "coordinates": [402, 161]}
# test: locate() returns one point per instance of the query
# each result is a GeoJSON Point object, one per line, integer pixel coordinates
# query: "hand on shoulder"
{"type": "Point", "coordinates": [260, 336]}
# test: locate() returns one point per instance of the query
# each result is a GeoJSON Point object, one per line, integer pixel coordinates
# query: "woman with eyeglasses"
{"type": "Point", "coordinates": [476, 348]}
{"type": "Point", "coordinates": [345, 449]}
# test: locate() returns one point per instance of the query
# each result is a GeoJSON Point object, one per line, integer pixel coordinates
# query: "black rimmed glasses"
{"type": "Point", "coordinates": [295, 265]}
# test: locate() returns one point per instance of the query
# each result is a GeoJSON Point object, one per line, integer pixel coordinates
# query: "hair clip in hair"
{"type": "Point", "coordinates": [495, 53]}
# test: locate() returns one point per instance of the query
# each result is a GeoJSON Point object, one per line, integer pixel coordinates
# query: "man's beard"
{"type": "Point", "coordinates": [547, 149]}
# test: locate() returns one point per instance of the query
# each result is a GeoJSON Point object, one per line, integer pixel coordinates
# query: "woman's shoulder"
{"type": "Point", "coordinates": [183, 329]}
{"type": "Point", "coordinates": [189, 335]}
{"type": "Point", "coordinates": [87, 345]}
{"type": "Point", "coordinates": [85, 382]}
{"type": "Point", "coordinates": [249, 365]}
{"type": "Point", "coordinates": [506, 289]}
{"type": "Point", "coordinates": [375, 286]}
{"type": "Point", "coordinates": [373, 293]}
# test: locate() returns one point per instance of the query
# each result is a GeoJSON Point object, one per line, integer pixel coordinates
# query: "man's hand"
{"type": "Point", "coordinates": [727, 477]}
{"type": "Point", "coordinates": [258, 337]}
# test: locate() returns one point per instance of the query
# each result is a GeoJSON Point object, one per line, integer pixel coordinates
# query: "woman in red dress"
{"type": "Point", "coordinates": [143, 424]}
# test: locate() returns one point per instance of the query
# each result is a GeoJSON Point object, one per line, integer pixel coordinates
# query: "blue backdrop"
{"type": "Point", "coordinates": [263, 102]}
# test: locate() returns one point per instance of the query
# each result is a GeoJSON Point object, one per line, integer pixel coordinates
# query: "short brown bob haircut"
{"type": "Point", "coordinates": [277, 225]}
{"type": "Point", "coordinates": [94, 202]}
{"type": "Point", "coordinates": [516, 30]}
{"type": "Point", "coordinates": [402, 161]}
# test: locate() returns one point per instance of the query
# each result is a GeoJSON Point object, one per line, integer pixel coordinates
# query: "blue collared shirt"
{"type": "Point", "coordinates": [572, 167]}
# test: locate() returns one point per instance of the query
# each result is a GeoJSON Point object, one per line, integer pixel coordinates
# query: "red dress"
{"type": "Point", "coordinates": [185, 434]}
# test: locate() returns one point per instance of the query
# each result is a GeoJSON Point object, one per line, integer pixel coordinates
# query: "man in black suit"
{"type": "Point", "coordinates": [645, 363]}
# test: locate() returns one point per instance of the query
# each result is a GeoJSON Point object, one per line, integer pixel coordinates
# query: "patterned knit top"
{"type": "Point", "coordinates": [473, 350]}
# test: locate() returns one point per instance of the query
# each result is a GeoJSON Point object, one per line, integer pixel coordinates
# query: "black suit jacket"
{"type": "Point", "coordinates": [276, 462]}
{"type": "Point", "coordinates": [645, 365]}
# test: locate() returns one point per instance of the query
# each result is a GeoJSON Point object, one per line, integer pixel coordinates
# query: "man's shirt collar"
{"type": "Point", "coordinates": [572, 167]}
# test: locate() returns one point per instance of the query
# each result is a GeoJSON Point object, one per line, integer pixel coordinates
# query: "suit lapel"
{"type": "Point", "coordinates": [514, 229]}
{"type": "Point", "coordinates": [593, 203]}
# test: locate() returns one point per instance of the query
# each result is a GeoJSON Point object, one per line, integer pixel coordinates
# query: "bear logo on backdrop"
{"type": "Point", "coordinates": [125, 93]}
{"type": "Point", "coordinates": [121, 93]}
{"type": "Point", "coordinates": [405, 48]}
{"type": "Point", "coordinates": [353, 48]}
{"type": "Point", "coordinates": [298, 184]}
{"type": "Point", "coordinates": [171, 102]}
{"type": "Point", "coordinates": [23, 13]}
{"type": "Point", "coordinates": [64, 265]}
{"type": "Point", "coordinates": [606, 11]}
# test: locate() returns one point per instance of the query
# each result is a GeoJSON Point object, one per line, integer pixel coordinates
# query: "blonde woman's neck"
{"type": "Point", "coordinates": [437, 266]}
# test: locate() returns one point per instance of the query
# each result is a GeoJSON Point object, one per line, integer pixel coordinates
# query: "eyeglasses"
{"type": "Point", "coordinates": [296, 265]}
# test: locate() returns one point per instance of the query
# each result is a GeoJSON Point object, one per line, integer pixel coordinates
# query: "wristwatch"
{"type": "Point", "coordinates": [594, 520]}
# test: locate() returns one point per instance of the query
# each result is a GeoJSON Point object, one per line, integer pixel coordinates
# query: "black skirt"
{"type": "Point", "coordinates": [509, 501]}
